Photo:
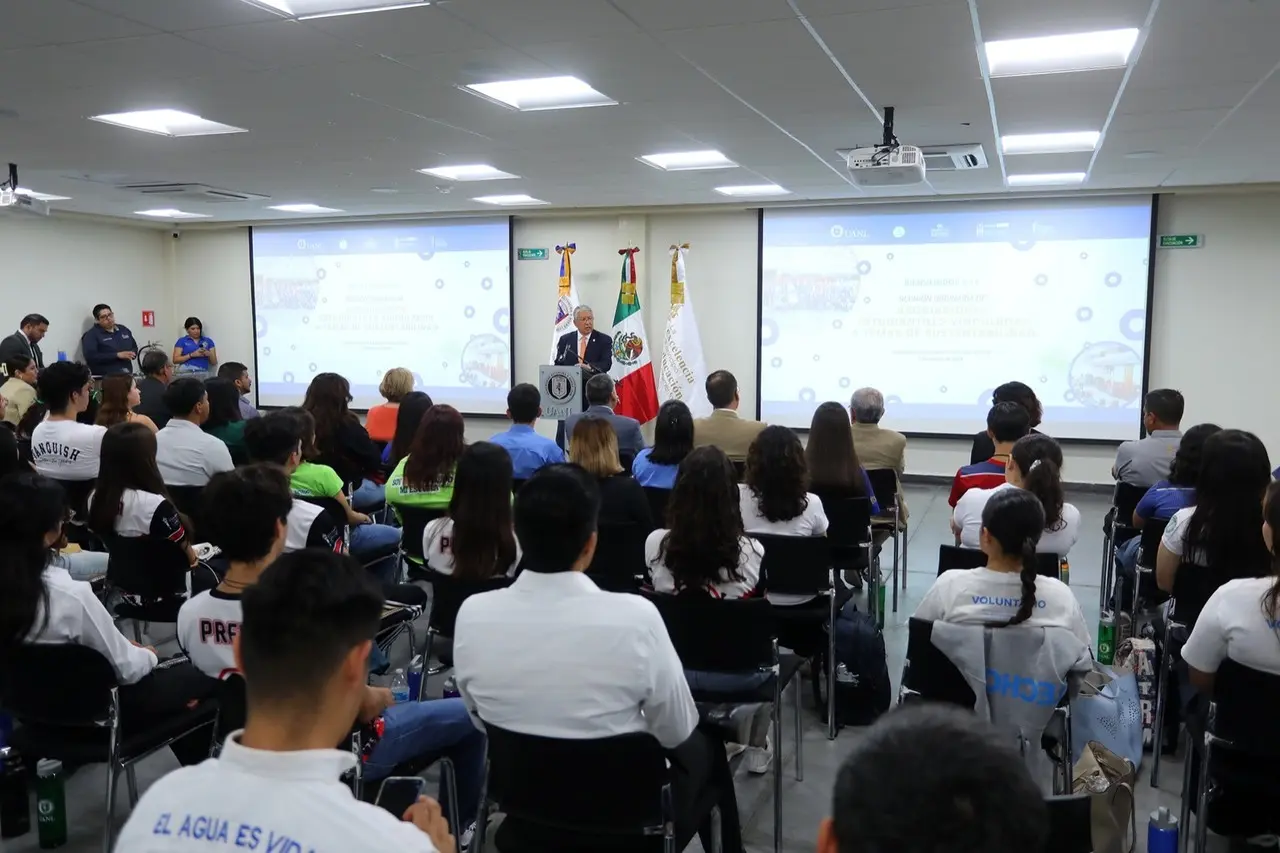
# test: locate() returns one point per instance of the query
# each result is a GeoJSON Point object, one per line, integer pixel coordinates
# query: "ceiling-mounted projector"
{"type": "Point", "coordinates": [889, 164]}
{"type": "Point", "coordinates": [13, 202]}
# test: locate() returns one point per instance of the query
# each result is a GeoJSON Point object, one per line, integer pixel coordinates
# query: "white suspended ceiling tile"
{"type": "Point", "coordinates": [408, 31]}
{"type": "Point", "coordinates": [277, 44]}
{"type": "Point", "coordinates": [659, 15]}
{"type": "Point", "coordinates": [181, 15]}
{"type": "Point", "coordinates": [1013, 19]}
{"type": "Point", "coordinates": [715, 47]}
{"type": "Point", "coordinates": [32, 23]}
{"type": "Point", "coordinates": [520, 21]}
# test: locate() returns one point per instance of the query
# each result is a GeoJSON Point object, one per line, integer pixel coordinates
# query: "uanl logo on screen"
{"type": "Point", "coordinates": [839, 232]}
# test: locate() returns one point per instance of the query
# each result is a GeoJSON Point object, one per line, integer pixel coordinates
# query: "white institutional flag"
{"type": "Point", "coordinates": [566, 299]}
{"type": "Point", "coordinates": [684, 373]}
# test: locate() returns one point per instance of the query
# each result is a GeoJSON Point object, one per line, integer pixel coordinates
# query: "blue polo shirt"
{"type": "Point", "coordinates": [102, 350]}
{"type": "Point", "coordinates": [186, 346]}
{"type": "Point", "coordinates": [651, 473]}
{"type": "Point", "coordinates": [528, 450]}
{"type": "Point", "coordinates": [1164, 499]}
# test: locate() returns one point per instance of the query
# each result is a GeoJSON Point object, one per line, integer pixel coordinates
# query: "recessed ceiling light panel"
{"type": "Point", "coordinates": [476, 172]}
{"type": "Point", "coordinates": [41, 196]}
{"type": "Point", "coordinates": [516, 200]}
{"type": "Point", "coordinates": [1050, 143]}
{"type": "Point", "coordinates": [1047, 179]}
{"type": "Point", "coordinates": [541, 93]}
{"type": "Point", "coordinates": [1061, 53]}
{"type": "Point", "coordinates": [683, 161]}
{"type": "Point", "coordinates": [171, 213]}
{"type": "Point", "coordinates": [303, 10]}
{"type": "Point", "coordinates": [305, 208]}
{"type": "Point", "coordinates": [753, 190]}
{"type": "Point", "coordinates": [167, 123]}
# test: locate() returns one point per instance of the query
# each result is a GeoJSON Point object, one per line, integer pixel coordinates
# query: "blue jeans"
{"type": "Point", "coordinates": [369, 541]}
{"type": "Point", "coordinates": [84, 565]}
{"type": "Point", "coordinates": [369, 496]}
{"type": "Point", "coordinates": [438, 728]}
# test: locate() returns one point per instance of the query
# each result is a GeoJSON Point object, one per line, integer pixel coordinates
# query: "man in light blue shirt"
{"type": "Point", "coordinates": [528, 450]}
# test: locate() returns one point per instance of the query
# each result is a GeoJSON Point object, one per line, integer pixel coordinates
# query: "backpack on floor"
{"type": "Point", "coordinates": [863, 691]}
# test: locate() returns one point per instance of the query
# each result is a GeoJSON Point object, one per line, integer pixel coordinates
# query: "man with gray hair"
{"type": "Point", "coordinates": [877, 447]}
{"type": "Point", "coordinates": [585, 346]}
{"type": "Point", "coordinates": [601, 400]}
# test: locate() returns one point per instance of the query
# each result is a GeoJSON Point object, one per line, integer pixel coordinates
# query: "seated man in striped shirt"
{"type": "Point", "coordinates": [1006, 423]}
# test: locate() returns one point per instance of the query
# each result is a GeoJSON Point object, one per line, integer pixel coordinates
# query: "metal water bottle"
{"type": "Point", "coordinates": [51, 804]}
{"type": "Point", "coordinates": [15, 797]}
{"type": "Point", "coordinates": [450, 689]}
{"type": "Point", "coordinates": [1107, 638]}
{"type": "Point", "coordinates": [1162, 832]}
{"type": "Point", "coordinates": [1064, 571]}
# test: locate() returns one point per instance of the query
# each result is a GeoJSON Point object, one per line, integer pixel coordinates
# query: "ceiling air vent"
{"type": "Point", "coordinates": [190, 192]}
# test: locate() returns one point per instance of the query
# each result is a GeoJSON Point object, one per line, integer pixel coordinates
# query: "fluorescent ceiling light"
{"type": "Point", "coordinates": [171, 213]}
{"type": "Point", "coordinates": [541, 93]}
{"type": "Point", "coordinates": [41, 196]}
{"type": "Point", "coordinates": [303, 10]}
{"type": "Point", "coordinates": [1050, 143]}
{"type": "Point", "coordinates": [468, 173]}
{"type": "Point", "coordinates": [1056, 54]}
{"type": "Point", "coordinates": [167, 123]}
{"type": "Point", "coordinates": [753, 190]}
{"type": "Point", "coordinates": [304, 208]}
{"type": "Point", "coordinates": [1052, 178]}
{"type": "Point", "coordinates": [509, 200]}
{"type": "Point", "coordinates": [681, 161]}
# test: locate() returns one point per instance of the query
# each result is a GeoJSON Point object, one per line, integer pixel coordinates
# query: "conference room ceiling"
{"type": "Point", "coordinates": [341, 111]}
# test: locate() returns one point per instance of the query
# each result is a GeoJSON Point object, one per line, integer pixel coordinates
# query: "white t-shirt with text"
{"type": "Point", "coordinates": [986, 597]}
{"type": "Point", "coordinates": [1175, 537]}
{"type": "Point", "coordinates": [1234, 625]}
{"type": "Point", "coordinates": [66, 450]}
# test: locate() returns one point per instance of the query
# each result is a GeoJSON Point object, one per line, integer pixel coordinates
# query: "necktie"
{"type": "Point", "coordinates": [582, 347]}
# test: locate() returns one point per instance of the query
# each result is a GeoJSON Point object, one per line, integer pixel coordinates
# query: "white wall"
{"type": "Point", "coordinates": [209, 278]}
{"type": "Point", "coordinates": [61, 268]}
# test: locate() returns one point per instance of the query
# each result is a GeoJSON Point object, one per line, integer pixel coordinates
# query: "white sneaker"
{"type": "Point", "coordinates": [732, 749]}
{"type": "Point", "coordinates": [759, 760]}
{"type": "Point", "coordinates": [464, 840]}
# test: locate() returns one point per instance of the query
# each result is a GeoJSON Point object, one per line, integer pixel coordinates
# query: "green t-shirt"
{"type": "Point", "coordinates": [232, 435]}
{"type": "Point", "coordinates": [437, 498]}
{"type": "Point", "coordinates": [315, 481]}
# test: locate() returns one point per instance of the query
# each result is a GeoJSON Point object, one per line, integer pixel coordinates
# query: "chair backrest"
{"type": "Point", "coordinates": [884, 482]}
{"type": "Point", "coordinates": [619, 557]}
{"type": "Point", "coordinates": [928, 673]}
{"type": "Point", "coordinates": [447, 595]}
{"type": "Point", "coordinates": [233, 705]}
{"type": "Point", "coordinates": [608, 786]}
{"type": "Point", "coordinates": [718, 634]}
{"type": "Point", "coordinates": [799, 565]}
{"type": "Point", "coordinates": [147, 566]}
{"type": "Point", "coordinates": [78, 492]}
{"type": "Point", "coordinates": [954, 557]}
{"type": "Point", "coordinates": [1244, 702]}
{"type": "Point", "coordinates": [1125, 498]}
{"type": "Point", "coordinates": [188, 499]}
{"type": "Point", "coordinates": [848, 519]}
{"type": "Point", "coordinates": [414, 520]}
{"type": "Point", "coordinates": [658, 504]}
{"type": "Point", "coordinates": [1192, 587]}
{"type": "Point", "coordinates": [56, 684]}
{"type": "Point", "coordinates": [1070, 824]}
{"type": "Point", "coordinates": [739, 468]}
{"type": "Point", "coordinates": [1152, 533]}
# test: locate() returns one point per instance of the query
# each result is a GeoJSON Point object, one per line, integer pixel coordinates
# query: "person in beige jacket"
{"type": "Point", "coordinates": [19, 390]}
{"type": "Point", "coordinates": [877, 448]}
{"type": "Point", "coordinates": [724, 428]}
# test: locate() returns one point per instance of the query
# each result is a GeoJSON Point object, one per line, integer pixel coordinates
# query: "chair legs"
{"type": "Point", "coordinates": [1184, 826]}
{"type": "Point", "coordinates": [905, 536]}
{"type": "Point", "coordinates": [131, 777]}
{"type": "Point", "coordinates": [894, 581]}
{"type": "Point", "coordinates": [777, 767]}
{"type": "Point", "coordinates": [1202, 799]}
{"type": "Point", "coordinates": [449, 783]}
{"type": "Point", "coordinates": [1104, 582]}
{"type": "Point", "coordinates": [1162, 689]}
{"type": "Point", "coordinates": [796, 689]}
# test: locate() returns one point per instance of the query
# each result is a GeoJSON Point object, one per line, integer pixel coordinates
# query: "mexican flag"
{"type": "Point", "coordinates": [632, 367]}
{"type": "Point", "coordinates": [567, 299]}
{"type": "Point", "coordinates": [683, 369]}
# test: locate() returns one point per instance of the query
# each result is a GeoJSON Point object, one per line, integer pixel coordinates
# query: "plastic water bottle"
{"type": "Point", "coordinates": [399, 687]}
{"type": "Point", "coordinates": [450, 688]}
{"type": "Point", "coordinates": [415, 677]}
{"type": "Point", "coordinates": [1064, 571]}
{"type": "Point", "coordinates": [1162, 832]}
{"type": "Point", "coordinates": [62, 355]}
{"type": "Point", "coordinates": [15, 798]}
{"type": "Point", "coordinates": [51, 804]}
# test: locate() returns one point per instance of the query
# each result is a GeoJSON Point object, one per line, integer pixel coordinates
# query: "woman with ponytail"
{"type": "Point", "coordinates": [1241, 621]}
{"type": "Point", "coordinates": [1007, 591]}
{"type": "Point", "coordinates": [1035, 464]}
{"type": "Point", "coordinates": [43, 604]}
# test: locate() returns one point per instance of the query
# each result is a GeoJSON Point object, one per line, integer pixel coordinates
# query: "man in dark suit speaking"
{"type": "Point", "coordinates": [587, 347]}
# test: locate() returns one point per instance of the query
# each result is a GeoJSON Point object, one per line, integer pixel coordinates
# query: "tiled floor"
{"type": "Point", "coordinates": [804, 803]}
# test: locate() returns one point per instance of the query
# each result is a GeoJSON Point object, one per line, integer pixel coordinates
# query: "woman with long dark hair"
{"type": "Point", "coordinates": [775, 496]}
{"type": "Point", "coordinates": [1035, 464]}
{"type": "Point", "coordinates": [341, 442]}
{"type": "Point", "coordinates": [1241, 621]}
{"type": "Point", "coordinates": [424, 478]}
{"type": "Point", "coordinates": [408, 417]}
{"type": "Point", "coordinates": [833, 463]}
{"type": "Point", "coordinates": [43, 604]}
{"type": "Point", "coordinates": [225, 421]}
{"type": "Point", "coordinates": [1007, 591]}
{"type": "Point", "coordinates": [1222, 533]}
{"type": "Point", "coordinates": [657, 466]}
{"type": "Point", "coordinates": [119, 397]}
{"type": "Point", "coordinates": [476, 540]}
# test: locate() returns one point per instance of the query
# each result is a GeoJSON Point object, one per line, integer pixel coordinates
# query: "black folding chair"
{"type": "Point", "coordinates": [954, 557]}
{"type": "Point", "coordinates": [1237, 752]}
{"type": "Point", "coordinates": [1144, 581]}
{"type": "Point", "coordinates": [618, 564]}
{"type": "Point", "coordinates": [801, 565]}
{"type": "Point", "coordinates": [1070, 824]}
{"type": "Point", "coordinates": [413, 521]}
{"type": "Point", "coordinates": [66, 700]}
{"type": "Point", "coordinates": [1117, 526]}
{"type": "Point", "coordinates": [152, 576]}
{"type": "Point", "coordinates": [447, 595]}
{"type": "Point", "coordinates": [884, 482]}
{"type": "Point", "coordinates": [189, 501]}
{"type": "Point", "coordinates": [928, 674]}
{"type": "Point", "coordinates": [77, 529]}
{"type": "Point", "coordinates": [739, 468]}
{"type": "Point", "coordinates": [849, 531]}
{"type": "Point", "coordinates": [658, 504]}
{"type": "Point", "coordinates": [737, 637]}
{"type": "Point", "coordinates": [582, 795]}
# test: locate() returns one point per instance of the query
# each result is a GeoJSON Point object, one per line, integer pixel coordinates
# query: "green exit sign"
{"type": "Point", "coordinates": [532, 254]}
{"type": "Point", "coordinates": [1181, 241]}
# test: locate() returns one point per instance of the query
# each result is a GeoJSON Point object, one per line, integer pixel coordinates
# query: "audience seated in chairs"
{"type": "Point", "coordinates": [476, 540]}
{"type": "Point", "coordinates": [19, 390]}
{"type": "Point", "coordinates": [984, 446]}
{"type": "Point", "coordinates": [1146, 461]}
{"type": "Point", "coordinates": [251, 532]}
{"type": "Point", "coordinates": [1035, 464]}
{"type": "Point", "coordinates": [1166, 497]}
{"type": "Point", "coordinates": [239, 376]}
{"type": "Point", "coordinates": [602, 399]}
{"type": "Point", "coordinates": [832, 459]}
{"type": "Point", "coordinates": [341, 442]}
{"type": "Point", "coordinates": [593, 445]}
{"type": "Point", "coordinates": [528, 450]}
{"type": "Point", "coordinates": [424, 478]}
{"type": "Point", "coordinates": [43, 604]}
{"type": "Point", "coordinates": [615, 670]}
{"type": "Point", "coordinates": [157, 373]}
{"type": "Point", "coordinates": [409, 416]}
{"type": "Point", "coordinates": [656, 467]}
{"type": "Point", "coordinates": [876, 446]}
{"type": "Point", "coordinates": [928, 778]}
{"type": "Point", "coordinates": [1222, 532]}
{"type": "Point", "coordinates": [277, 437]}
{"type": "Point", "coordinates": [186, 454]}
{"type": "Point", "coordinates": [1007, 591]}
{"type": "Point", "coordinates": [225, 422]}
{"type": "Point", "coordinates": [1006, 423]}
{"type": "Point", "coordinates": [61, 447]}
{"type": "Point", "coordinates": [302, 645]}
{"type": "Point", "coordinates": [369, 541]}
{"type": "Point", "coordinates": [396, 384]}
{"type": "Point", "coordinates": [120, 396]}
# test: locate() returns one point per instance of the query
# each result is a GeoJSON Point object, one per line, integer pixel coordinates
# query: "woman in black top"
{"type": "Point", "coordinates": [1010, 392]}
{"type": "Point", "coordinates": [341, 441]}
{"type": "Point", "coordinates": [594, 446]}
